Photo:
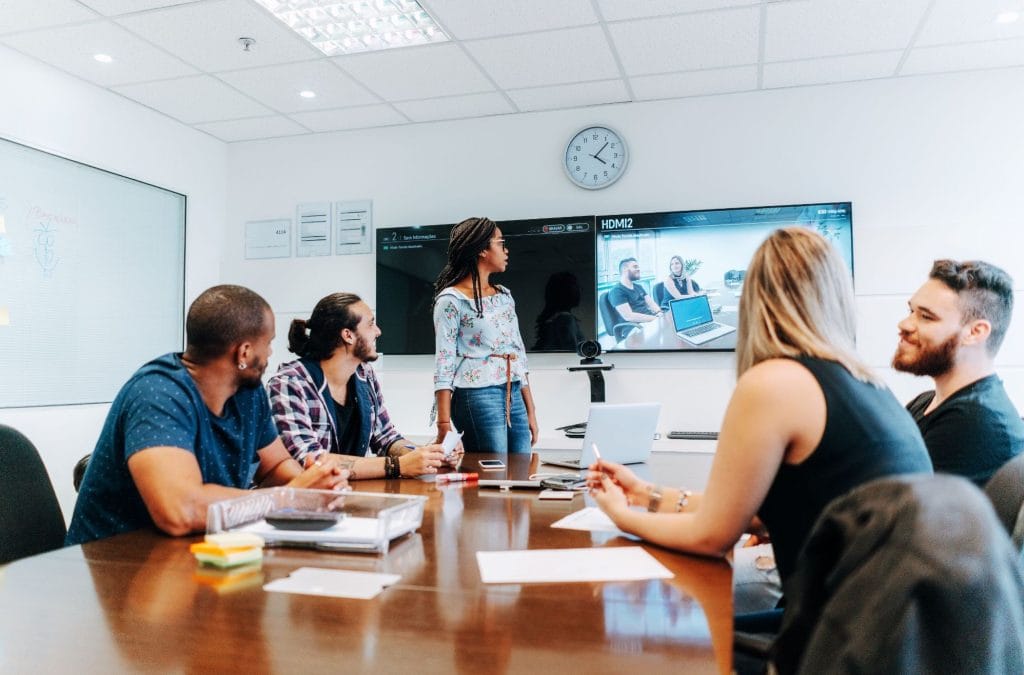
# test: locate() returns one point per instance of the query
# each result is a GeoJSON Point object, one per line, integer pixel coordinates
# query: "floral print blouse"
{"type": "Point", "coordinates": [468, 347]}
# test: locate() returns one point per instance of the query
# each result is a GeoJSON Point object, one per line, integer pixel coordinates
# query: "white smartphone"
{"type": "Point", "coordinates": [487, 464]}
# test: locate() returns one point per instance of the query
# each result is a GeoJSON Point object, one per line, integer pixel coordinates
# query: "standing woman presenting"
{"type": "Point", "coordinates": [480, 362]}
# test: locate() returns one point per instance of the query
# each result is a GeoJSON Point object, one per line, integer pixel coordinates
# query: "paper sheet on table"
{"type": "Point", "coordinates": [590, 519]}
{"type": "Point", "coordinates": [333, 583]}
{"type": "Point", "coordinates": [624, 563]}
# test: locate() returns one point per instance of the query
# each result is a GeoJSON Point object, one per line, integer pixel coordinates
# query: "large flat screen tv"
{"type": "Point", "coordinates": [550, 275]}
{"type": "Point", "coordinates": [690, 265]}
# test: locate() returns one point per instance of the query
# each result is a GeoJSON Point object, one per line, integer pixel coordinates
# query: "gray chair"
{"type": "Point", "coordinates": [905, 575]}
{"type": "Point", "coordinates": [31, 521]}
{"type": "Point", "coordinates": [1006, 491]}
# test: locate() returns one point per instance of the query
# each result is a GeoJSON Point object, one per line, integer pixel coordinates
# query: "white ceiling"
{"type": "Point", "coordinates": [182, 57]}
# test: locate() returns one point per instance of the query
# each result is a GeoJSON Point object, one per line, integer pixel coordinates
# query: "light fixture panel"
{"type": "Point", "coordinates": [351, 26]}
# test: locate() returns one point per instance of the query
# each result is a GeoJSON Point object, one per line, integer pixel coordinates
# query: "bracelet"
{"type": "Point", "coordinates": [684, 499]}
{"type": "Point", "coordinates": [391, 467]}
{"type": "Point", "coordinates": [444, 421]}
{"type": "Point", "coordinates": [654, 498]}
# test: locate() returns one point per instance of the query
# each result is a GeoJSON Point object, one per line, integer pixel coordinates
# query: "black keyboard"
{"type": "Point", "coordinates": [694, 435]}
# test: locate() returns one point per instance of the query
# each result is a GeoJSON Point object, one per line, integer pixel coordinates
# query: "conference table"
{"type": "Point", "coordinates": [138, 602]}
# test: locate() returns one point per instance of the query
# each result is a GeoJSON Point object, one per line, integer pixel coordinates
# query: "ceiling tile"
{"type": "Point", "coordinates": [256, 127]}
{"type": "Point", "coordinates": [349, 118]}
{"type": "Point", "coordinates": [71, 48]}
{"type": "Point", "coordinates": [802, 30]}
{"type": "Point", "coordinates": [959, 21]}
{"type": "Point", "coordinates": [193, 99]}
{"type": "Point", "coordinates": [697, 83]}
{"type": "Point", "coordinates": [570, 95]}
{"type": "Point", "coordinates": [617, 10]}
{"type": "Point", "coordinates": [469, 19]}
{"type": "Point", "coordinates": [114, 7]}
{"type": "Point", "coordinates": [455, 107]}
{"type": "Point", "coordinates": [539, 59]}
{"type": "Point", "coordinates": [16, 15]}
{"type": "Point", "coordinates": [206, 34]}
{"type": "Point", "coordinates": [688, 42]}
{"type": "Point", "coordinates": [417, 72]}
{"type": "Point", "coordinates": [278, 86]}
{"type": "Point", "coordinates": [974, 56]}
{"type": "Point", "coordinates": [831, 69]}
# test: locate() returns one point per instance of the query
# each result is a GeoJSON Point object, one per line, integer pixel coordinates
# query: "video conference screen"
{"type": "Point", "coordinates": [690, 266]}
{"type": "Point", "coordinates": [550, 274]}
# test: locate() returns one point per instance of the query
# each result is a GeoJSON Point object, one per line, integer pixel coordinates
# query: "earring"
{"type": "Point", "coordinates": [242, 365]}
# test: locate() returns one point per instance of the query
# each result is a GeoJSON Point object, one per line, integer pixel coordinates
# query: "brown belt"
{"type": "Point", "coordinates": [509, 358]}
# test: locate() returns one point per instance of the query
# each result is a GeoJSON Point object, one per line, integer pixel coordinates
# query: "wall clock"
{"type": "Point", "coordinates": [595, 157]}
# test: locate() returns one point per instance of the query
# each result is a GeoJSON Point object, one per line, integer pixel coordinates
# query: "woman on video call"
{"type": "Point", "coordinates": [678, 283]}
{"type": "Point", "coordinates": [480, 374]}
{"type": "Point", "coordinates": [807, 422]}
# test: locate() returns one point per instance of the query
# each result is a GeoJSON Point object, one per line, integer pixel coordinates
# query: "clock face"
{"type": "Point", "coordinates": [595, 158]}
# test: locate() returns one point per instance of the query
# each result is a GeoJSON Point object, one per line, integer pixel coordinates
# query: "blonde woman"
{"type": "Point", "coordinates": [807, 422]}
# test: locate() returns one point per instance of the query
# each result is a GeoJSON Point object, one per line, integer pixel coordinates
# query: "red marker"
{"type": "Point", "coordinates": [456, 477]}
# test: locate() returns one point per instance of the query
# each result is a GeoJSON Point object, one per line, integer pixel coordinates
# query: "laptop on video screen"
{"type": "Point", "coordinates": [623, 432]}
{"type": "Point", "coordinates": [694, 321]}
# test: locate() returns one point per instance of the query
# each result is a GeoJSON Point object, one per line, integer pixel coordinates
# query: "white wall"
{"type": "Point", "coordinates": [46, 109]}
{"type": "Point", "coordinates": [933, 165]}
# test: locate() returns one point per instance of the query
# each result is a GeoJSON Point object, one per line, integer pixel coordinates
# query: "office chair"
{"type": "Point", "coordinates": [78, 473]}
{"type": "Point", "coordinates": [660, 295]}
{"type": "Point", "coordinates": [31, 521]}
{"type": "Point", "coordinates": [905, 574]}
{"type": "Point", "coordinates": [1006, 490]}
{"type": "Point", "coordinates": [613, 322]}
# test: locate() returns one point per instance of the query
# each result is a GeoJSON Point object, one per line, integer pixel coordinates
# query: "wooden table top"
{"type": "Point", "coordinates": [139, 602]}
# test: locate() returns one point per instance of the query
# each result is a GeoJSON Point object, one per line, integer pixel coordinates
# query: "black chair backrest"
{"type": "Point", "coordinates": [31, 521]}
{"type": "Point", "coordinates": [614, 324]}
{"type": "Point", "coordinates": [660, 295]}
{"type": "Point", "coordinates": [905, 574]}
{"type": "Point", "coordinates": [1006, 491]}
{"type": "Point", "coordinates": [78, 473]}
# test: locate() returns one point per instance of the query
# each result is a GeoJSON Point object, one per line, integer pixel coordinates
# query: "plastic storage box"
{"type": "Point", "coordinates": [367, 521]}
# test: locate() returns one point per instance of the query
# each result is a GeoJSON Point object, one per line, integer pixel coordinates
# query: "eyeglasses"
{"type": "Point", "coordinates": [501, 242]}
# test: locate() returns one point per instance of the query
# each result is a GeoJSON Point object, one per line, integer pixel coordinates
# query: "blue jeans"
{"type": "Point", "coordinates": [480, 415]}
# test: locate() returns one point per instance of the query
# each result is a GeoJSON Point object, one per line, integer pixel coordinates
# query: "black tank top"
{"type": "Point", "coordinates": [868, 435]}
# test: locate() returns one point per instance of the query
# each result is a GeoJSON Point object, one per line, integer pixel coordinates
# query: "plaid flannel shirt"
{"type": "Point", "coordinates": [303, 418]}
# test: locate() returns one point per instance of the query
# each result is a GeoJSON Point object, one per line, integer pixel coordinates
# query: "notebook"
{"type": "Point", "coordinates": [693, 320]}
{"type": "Point", "coordinates": [623, 432]}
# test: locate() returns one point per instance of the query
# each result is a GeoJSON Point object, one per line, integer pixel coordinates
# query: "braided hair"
{"type": "Point", "coordinates": [468, 239]}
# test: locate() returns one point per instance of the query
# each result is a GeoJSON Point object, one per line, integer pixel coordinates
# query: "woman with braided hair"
{"type": "Point", "coordinates": [480, 374]}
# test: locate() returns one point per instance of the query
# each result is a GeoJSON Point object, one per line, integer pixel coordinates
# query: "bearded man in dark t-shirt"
{"type": "Point", "coordinates": [956, 324]}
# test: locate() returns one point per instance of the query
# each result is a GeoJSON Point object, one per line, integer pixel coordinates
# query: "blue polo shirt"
{"type": "Point", "coordinates": [161, 406]}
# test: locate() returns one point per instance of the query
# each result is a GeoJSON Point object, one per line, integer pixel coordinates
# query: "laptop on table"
{"type": "Point", "coordinates": [694, 322]}
{"type": "Point", "coordinates": [623, 432]}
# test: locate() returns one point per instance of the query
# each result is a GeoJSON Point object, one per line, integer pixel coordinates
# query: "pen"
{"type": "Point", "coordinates": [596, 452]}
{"type": "Point", "coordinates": [456, 477]}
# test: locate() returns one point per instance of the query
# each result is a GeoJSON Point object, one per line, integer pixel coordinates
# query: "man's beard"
{"type": "Point", "coordinates": [362, 350]}
{"type": "Point", "coordinates": [252, 377]}
{"type": "Point", "coordinates": [930, 361]}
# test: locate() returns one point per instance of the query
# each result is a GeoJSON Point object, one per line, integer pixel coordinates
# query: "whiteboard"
{"type": "Point", "coordinates": [92, 278]}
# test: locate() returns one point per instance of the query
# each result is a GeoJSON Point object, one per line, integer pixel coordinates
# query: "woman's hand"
{"type": "Point", "coordinates": [322, 473]}
{"type": "Point", "coordinates": [609, 496]}
{"type": "Point", "coordinates": [454, 460]}
{"type": "Point", "coordinates": [442, 430]}
{"type": "Point", "coordinates": [424, 459]}
{"type": "Point", "coordinates": [636, 491]}
{"type": "Point", "coordinates": [534, 433]}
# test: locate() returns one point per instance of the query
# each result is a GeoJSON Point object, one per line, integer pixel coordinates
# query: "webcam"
{"type": "Point", "coordinates": [589, 350]}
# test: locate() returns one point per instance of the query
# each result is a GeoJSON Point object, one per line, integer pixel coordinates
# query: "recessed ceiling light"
{"type": "Point", "coordinates": [1007, 17]}
{"type": "Point", "coordinates": [349, 26]}
{"type": "Point", "coordinates": [306, 93]}
{"type": "Point", "coordinates": [103, 58]}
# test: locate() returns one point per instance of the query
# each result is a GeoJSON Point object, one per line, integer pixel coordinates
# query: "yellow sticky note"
{"type": "Point", "coordinates": [5, 317]}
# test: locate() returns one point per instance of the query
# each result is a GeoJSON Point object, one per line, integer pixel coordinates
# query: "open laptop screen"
{"type": "Point", "coordinates": [690, 312]}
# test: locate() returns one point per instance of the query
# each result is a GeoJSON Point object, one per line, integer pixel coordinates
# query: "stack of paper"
{"type": "Point", "coordinates": [621, 563]}
{"type": "Point", "coordinates": [333, 583]}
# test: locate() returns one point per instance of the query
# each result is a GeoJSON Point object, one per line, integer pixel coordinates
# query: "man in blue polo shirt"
{"type": "Point", "coordinates": [192, 428]}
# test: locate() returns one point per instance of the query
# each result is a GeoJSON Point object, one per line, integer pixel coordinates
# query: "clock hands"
{"type": "Point", "coordinates": [595, 155]}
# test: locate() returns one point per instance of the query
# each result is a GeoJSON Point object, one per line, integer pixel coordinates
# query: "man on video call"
{"type": "Point", "coordinates": [631, 300]}
{"type": "Point", "coordinates": [956, 324]}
